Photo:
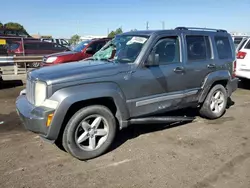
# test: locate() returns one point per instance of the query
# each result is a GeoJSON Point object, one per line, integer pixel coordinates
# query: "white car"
{"type": "Point", "coordinates": [243, 59]}
{"type": "Point", "coordinates": [62, 42]}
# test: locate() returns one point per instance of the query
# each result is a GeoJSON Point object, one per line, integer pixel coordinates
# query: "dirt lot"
{"type": "Point", "coordinates": [196, 155]}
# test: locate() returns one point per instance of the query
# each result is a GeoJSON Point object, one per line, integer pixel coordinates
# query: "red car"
{"type": "Point", "coordinates": [83, 50]}
{"type": "Point", "coordinates": [34, 47]}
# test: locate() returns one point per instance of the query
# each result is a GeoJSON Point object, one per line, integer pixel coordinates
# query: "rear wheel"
{"type": "Point", "coordinates": [215, 103]}
{"type": "Point", "coordinates": [90, 132]}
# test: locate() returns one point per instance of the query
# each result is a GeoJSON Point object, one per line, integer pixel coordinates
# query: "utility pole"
{"type": "Point", "coordinates": [147, 26]}
{"type": "Point", "coordinates": [163, 25]}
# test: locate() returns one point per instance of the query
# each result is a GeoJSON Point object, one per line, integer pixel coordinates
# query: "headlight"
{"type": "Point", "coordinates": [40, 93]}
{"type": "Point", "coordinates": [51, 59]}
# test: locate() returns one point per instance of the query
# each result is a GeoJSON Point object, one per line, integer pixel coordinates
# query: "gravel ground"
{"type": "Point", "coordinates": [199, 154]}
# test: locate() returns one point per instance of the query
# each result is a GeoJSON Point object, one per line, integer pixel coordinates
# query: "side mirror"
{"type": "Point", "coordinates": [153, 59]}
{"type": "Point", "coordinates": [90, 50]}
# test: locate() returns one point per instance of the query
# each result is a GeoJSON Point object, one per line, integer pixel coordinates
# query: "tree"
{"type": "Point", "coordinates": [14, 25]}
{"type": "Point", "coordinates": [133, 30]}
{"type": "Point", "coordinates": [1, 25]}
{"type": "Point", "coordinates": [116, 32]}
{"type": "Point", "coordinates": [74, 39]}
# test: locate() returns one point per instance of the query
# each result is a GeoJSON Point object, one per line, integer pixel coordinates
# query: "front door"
{"type": "Point", "coordinates": [157, 89]}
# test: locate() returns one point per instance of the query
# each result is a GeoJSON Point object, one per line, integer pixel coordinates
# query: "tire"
{"type": "Point", "coordinates": [34, 65]}
{"type": "Point", "coordinates": [206, 108]}
{"type": "Point", "coordinates": [90, 132]}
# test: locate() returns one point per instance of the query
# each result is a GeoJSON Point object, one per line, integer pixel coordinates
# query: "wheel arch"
{"type": "Point", "coordinates": [74, 98]}
{"type": "Point", "coordinates": [218, 77]}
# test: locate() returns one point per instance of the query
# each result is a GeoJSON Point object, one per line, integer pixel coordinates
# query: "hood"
{"type": "Point", "coordinates": [60, 54]}
{"type": "Point", "coordinates": [77, 71]}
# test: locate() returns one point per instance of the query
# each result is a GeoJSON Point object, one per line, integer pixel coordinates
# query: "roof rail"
{"type": "Point", "coordinates": [201, 29]}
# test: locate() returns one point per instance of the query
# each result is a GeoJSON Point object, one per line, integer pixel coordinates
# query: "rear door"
{"type": "Point", "coordinates": [199, 60]}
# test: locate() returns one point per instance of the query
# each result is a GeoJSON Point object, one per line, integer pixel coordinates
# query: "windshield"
{"type": "Point", "coordinates": [79, 47]}
{"type": "Point", "coordinates": [123, 49]}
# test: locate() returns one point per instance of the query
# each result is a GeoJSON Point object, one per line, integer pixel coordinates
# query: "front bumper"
{"type": "Point", "coordinates": [33, 118]}
{"type": "Point", "coordinates": [232, 86]}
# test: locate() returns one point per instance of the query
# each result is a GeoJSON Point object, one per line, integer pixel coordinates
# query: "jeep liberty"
{"type": "Point", "coordinates": [138, 74]}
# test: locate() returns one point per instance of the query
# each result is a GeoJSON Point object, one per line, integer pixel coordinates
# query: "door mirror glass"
{"type": "Point", "coordinates": [153, 59]}
{"type": "Point", "coordinates": [90, 50]}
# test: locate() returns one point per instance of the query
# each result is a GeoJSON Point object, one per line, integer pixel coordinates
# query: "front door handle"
{"type": "Point", "coordinates": [211, 66]}
{"type": "Point", "coordinates": [179, 69]}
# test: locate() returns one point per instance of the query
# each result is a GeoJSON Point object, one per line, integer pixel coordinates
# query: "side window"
{"type": "Point", "coordinates": [64, 42]}
{"type": "Point", "coordinates": [168, 50]}
{"type": "Point", "coordinates": [96, 46]}
{"type": "Point", "coordinates": [30, 46]}
{"type": "Point", "coordinates": [247, 45]}
{"type": "Point", "coordinates": [223, 47]}
{"type": "Point", "coordinates": [198, 48]}
{"type": "Point", "coordinates": [100, 45]}
{"type": "Point", "coordinates": [45, 46]}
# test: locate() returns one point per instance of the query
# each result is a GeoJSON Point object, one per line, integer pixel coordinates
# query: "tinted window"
{"type": "Point", "coordinates": [45, 46]}
{"type": "Point", "coordinates": [198, 48]}
{"type": "Point", "coordinates": [30, 46]}
{"type": "Point", "coordinates": [168, 50]}
{"type": "Point", "coordinates": [248, 45]}
{"type": "Point", "coordinates": [96, 46]}
{"type": "Point", "coordinates": [223, 47]}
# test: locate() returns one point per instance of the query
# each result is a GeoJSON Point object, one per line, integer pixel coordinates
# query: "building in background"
{"type": "Point", "coordinates": [89, 37]}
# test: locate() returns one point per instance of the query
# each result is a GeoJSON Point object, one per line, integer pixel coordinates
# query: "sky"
{"type": "Point", "coordinates": [64, 18]}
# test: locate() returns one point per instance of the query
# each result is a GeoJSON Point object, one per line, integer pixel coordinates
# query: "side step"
{"type": "Point", "coordinates": [163, 119]}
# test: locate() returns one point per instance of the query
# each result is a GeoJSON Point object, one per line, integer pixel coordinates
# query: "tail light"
{"type": "Point", "coordinates": [234, 69]}
{"type": "Point", "coordinates": [241, 55]}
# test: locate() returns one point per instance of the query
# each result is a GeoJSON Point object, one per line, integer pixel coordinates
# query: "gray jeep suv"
{"type": "Point", "coordinates": [133, 77]}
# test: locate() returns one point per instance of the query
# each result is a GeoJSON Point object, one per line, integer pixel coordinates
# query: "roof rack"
{"type": "Point", "coordinates": [200, 29]}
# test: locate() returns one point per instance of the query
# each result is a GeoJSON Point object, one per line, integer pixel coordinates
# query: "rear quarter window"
{"type": "Point", "coordinates": [30, 46]}
{"type": "Point", "coordinates": [223, 47]}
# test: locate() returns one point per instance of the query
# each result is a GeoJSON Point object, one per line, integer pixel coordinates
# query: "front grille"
{"type": "Point", "coordinates": [30, 91]}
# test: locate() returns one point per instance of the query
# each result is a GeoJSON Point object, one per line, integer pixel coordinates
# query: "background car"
{"type": "Point", "coordinates": [243, 60]}
{"type": "Point", "coordinates": [33, 47]}
{"type": "Point", "coordinates": [83, 50]}
{"type": "Point", "coordinates": [62, 42]}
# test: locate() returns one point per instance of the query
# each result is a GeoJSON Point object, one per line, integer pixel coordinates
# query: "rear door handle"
{"type": "Point", "coordinates": [179, 70]}
{"type": "Point", "coordinates": [211, 66]}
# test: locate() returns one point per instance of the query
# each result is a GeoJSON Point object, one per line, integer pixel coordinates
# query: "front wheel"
{"type": "Point", "coordinates": [90, 132]}
{"type": "Point", "coordinates": [215, 103]}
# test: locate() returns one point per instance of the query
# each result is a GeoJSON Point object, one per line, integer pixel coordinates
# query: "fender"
{"type": "Point", "coordinates": [68, 96]}
{"type": "Point", "coordinates": [211, 78]}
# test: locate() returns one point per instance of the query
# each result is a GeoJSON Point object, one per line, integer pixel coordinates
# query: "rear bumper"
{"type": "Point", "coordinates": [232, 86]}
{"type": "Point", "coordinates": [33, 118]}
{"type": "Point", "coordinates": [243, 74]}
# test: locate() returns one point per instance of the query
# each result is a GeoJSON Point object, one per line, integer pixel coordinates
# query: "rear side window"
{"type": "Point", "coordinates": [247, 45]}
{"type": "Point", "coordinates": [30, 46]}
{"type": "Point", "coordinates": [223, 47]}
{"type": "Point", "coordinates": [45, 46]}
{"type": "Point", "coordinates": [198, 48]}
